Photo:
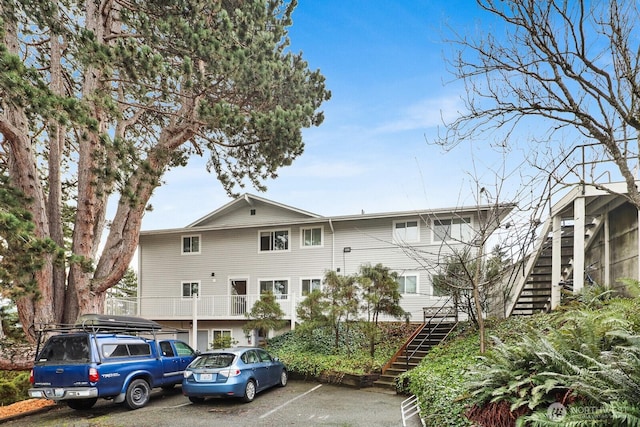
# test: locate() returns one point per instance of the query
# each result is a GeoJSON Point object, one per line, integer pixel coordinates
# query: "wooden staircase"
{"type": "Point", "coordinates": [438, 324]}
{"type": "Point", "coordinates": [535, 295]}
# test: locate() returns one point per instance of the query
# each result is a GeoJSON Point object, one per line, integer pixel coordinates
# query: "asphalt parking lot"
{"type": "Point", "coordinates": [300, 403]}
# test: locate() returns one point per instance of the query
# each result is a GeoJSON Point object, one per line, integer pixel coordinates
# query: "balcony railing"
{"type": "Point", "coordinates": [211, 307]}
{"type": "Point", "coordinates": [231, 307]}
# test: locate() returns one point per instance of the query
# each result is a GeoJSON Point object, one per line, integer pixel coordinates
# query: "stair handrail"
{"type": "Point", "coordinates": [531, 263]}
{"type": "Point", "coordinates": [402, 349]}
{"type": "Point", "coordinates": [431, 329]}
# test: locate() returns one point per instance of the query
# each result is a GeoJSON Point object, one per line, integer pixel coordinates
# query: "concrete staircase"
{"type": "Point", "coordinates": [440, 321]}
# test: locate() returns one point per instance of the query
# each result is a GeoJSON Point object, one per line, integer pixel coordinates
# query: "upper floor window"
{"type": "Point", "coordinates": [408, 284]}
{"type": "Point", "coordinates": [310, 285]}
{"type": "Point", "coordinates": [279, 288]}
{"type": "Point", "coordinates": [189, 289]}
{"type": "Point", "coordinates": [190, 244]}
{"type": "Point", "coordinates": [311, 237]}
{"type": "Point", "coordinates": [275, 240]}
{"type": "Point", "coordinates": [457, 229]}
{"type": "Point", "coordinates": [406, 231]}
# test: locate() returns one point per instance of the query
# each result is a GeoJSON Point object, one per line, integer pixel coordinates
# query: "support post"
{"type": "Point", "coordinates": [556, 262]}
{"type": "Point", "coordinates": [579, 209]}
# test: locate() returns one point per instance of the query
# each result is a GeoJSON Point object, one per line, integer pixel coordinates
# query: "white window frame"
{"type": "Point", "coordinates": [410, 274]}
{"type": "Point", "coordinates": [191, 236]}
{"type": "Point", "coordinates": [273, 280]}
{"type": "Point", "coordinates": [404, 239]}
{"type": "Point", "coordinates": [310, 279]}
{"type": "Point", "coordinates": [272, 231]}
{"type": "Point", "coordinates": [302, 240]}
{"type": "Point", "coordinates": [453, 237]}
{"type": "Point", "coordinates": [190, 282]}
{"type": "Point", "coordinates": [222, 332]}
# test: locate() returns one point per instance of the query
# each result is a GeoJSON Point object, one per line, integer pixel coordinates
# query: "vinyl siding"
{"type": "Point", "coordinates": [233, 253]}
{"type": "Point", "coordinates": [265, 213]}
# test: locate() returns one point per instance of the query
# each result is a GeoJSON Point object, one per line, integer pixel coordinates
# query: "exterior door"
{"type": "Point", "coordinates": [238, 297]}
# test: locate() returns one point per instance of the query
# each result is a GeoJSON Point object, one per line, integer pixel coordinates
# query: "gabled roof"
{"type": "Point", "coordinates": [280, 214]}
{"type": "Point", "coordinates": [249, 200]}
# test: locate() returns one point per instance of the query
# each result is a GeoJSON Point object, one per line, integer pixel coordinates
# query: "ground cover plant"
{"type": "Point", "coordinates": [583, 359]}
{"type": "Point", "coordinates": [312, 352]}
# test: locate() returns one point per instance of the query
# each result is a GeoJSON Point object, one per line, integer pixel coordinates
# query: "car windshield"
{"type": "Point", "coordinates": [218, 360]}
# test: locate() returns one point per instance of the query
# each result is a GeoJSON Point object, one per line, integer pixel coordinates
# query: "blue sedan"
{"type": "Point", "coordinates": [236, 372]}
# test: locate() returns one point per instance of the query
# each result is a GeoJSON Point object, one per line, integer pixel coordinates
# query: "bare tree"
{"type": "Point", "coordinates": [571, 68]}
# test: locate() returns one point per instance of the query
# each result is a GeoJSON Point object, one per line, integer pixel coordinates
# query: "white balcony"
{"type": "Point", "coordinates": [212, 307]}
{"type": "Point", "coordinates": [233, 307]}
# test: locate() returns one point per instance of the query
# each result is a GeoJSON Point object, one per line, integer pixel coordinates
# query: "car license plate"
{"type": "Point", "coordinates": [206, 377]}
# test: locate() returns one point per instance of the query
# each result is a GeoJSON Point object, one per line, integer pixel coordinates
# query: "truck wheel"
{"type": "Point", "coordinates": [82, 404]}
{"type": "Point", "coordinates": [249, 391]}
{"type": "Point", "coordinates": [138, 394]}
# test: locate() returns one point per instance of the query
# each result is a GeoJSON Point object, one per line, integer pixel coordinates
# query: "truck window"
{"type": "Point", "coordinates": [115, 350]}
{"type": "Point", "coordinates": [182, 349]}
{"type": "Point", "coordinates": [65, 349]}
{"type": "Point", "coordinates": [139, 349]}
{"type": "Point", "coordinates": [167, 350]}
{"type": "Point", "coordinates": [126, 350]}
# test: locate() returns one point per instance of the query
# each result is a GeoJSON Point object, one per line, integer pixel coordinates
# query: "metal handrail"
{"type": "Point", "coordinates": [431, 329]}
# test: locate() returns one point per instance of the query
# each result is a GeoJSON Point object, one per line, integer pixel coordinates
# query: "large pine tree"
{"type": "Point", "coordinates": [100, 98]}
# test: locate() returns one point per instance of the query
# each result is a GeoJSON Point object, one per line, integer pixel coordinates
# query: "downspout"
{"type": "Point", "coordinates": [333, 246]}
{"type": "Point", "coordinates": [139, 283]}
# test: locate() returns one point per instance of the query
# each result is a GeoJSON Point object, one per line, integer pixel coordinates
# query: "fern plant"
{"type": "Point", "coordinates": [588, 360]}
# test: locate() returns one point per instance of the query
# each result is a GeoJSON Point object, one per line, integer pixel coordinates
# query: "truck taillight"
{"type": "Point", "coordinates": [31, 379]}
{"type": "Point", "coordinates": [93, 375]}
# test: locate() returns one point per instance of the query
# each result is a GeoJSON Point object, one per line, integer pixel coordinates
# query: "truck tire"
{"type": "Point", "coordinates": [138, 394]}
{"type": "Point", "coordinates": [82, 404]}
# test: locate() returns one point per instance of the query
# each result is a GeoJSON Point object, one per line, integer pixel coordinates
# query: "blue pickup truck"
{"type": "Point", "coordinates": [112, 357]}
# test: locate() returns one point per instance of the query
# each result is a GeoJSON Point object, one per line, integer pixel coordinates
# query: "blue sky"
{"type": "Point", "coordinates": [383, 61]}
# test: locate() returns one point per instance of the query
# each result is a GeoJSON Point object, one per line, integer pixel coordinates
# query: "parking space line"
{"type": "Point", "coordinates": [277, 408]}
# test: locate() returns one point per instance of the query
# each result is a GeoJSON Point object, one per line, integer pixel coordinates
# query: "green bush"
{"type": "Point", "coordinates": [312, 352]}
{"type": "Point", "coordinates": [13, 386]}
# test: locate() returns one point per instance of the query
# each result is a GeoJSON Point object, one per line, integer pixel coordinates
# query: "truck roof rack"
{"type": "Point", "coordinates": [105, 323]}
{"type": "Point", "coordinates": [100, 322]}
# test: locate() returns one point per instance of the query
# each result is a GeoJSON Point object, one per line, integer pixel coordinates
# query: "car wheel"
{"type": "Point", "coordinates": [137, 394]}
{"type": "Point", "coordinates": [82, 404]}
{"type": "Point", "coordinates": [284, 377]}
{"type": "Point", "coordinates": [195, 399]}
{"type": "Point", "coordinates": [249, 391]}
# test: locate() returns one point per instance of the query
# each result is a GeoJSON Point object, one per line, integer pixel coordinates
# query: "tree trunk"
{"type": "Point", "coordinates": [57, 138]}
{"type": "Point", "coordinates": [476, 296]}
{"type": "Point", "coordinates": [14, 127]}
